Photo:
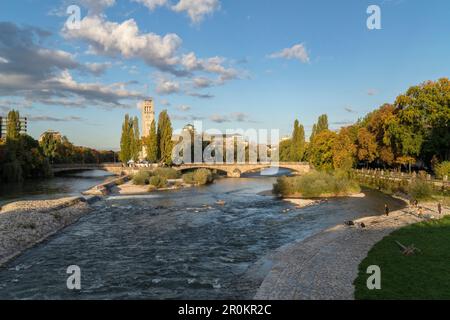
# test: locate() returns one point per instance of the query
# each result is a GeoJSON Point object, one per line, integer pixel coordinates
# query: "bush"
{"type": "Point", "coordinates": [158, 182]}
{"type": "Point", "coordinates": [168, 173]}
{"type": "Point", "coordinates": [420, 190]}
{"type": "Point", "coordinates": [199, 177]}
{"type": "Point", "coordinates": [141, 178]}
{"type": "Point", "coordinates": [188, 178]}
{"type": "Point", "coordinates": [442, 169]}
{"type": "Point", "coordinates": [316, 184]}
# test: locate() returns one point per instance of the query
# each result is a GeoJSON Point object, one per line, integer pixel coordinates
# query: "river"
{"type": "Point", "coordinates": [175, 245]}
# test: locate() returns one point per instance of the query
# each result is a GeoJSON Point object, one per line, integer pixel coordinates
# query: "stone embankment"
{"type": "Point", "coordinates": [324, 266]}
{"type": "Point", "coordinates": [26, 223]}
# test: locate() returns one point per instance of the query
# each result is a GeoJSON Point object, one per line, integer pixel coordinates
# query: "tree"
{"type": "Point", "coordinates": [344, 150]}
{"type": "Point", "coordinates": [322, 125]}
{"type": "Point", "coordinates": [135, 139]}
{"type": "Point", "coordinates": [367, 146]}
{"type": "Point", "coordinates": [151, 144]}
{"type": "Point", "coordinates": [321, 150]}
{"type": "Point", "coordinates": [297, 151]}
{"type": "Point", "coordinates": [285, 150]}
{"type": "Point", "coordinates": [164, 135]}
{"type": "Point", "coordinates": [13, 126]}
{"type": "Point", "coordinates": [49, 145]}
{"type": "Point", "coordinates": [125, 154]}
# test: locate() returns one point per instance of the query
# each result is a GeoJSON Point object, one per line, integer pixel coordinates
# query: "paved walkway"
{"type": "Point", "coordinates": [324, 266]}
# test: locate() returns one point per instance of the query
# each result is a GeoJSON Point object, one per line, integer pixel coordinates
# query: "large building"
{"type": "Point", "coordinates": [4, 124]}
{"type": "Point", "coordinates": [148, 116]}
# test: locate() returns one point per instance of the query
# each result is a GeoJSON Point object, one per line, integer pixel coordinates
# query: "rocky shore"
{"type": "Point", "coordinates": [26, 223]}
{"type": "Point", "coordinates": [324, 266]}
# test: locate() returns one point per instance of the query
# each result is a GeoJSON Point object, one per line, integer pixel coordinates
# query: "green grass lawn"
{"type": "Point", "coordinates": [425, 275]}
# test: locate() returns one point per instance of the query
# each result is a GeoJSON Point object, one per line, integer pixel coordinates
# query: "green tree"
{"type": "Point", "coordinates": [321, 125]}
{"type": "Point", "coordinates": [135, 139]}
{"type": "Point", "coordinates": [321, 150]}
{"type": "Point", "coordinates": [125, 154]}
{"type": "Point", "coordinates": [164, 135]}
{"type": "Point", "coordinates": [50, 146]}
{"type": "Point", "coordinates": [297, 151]}
{"type": "Point", "coordinates": [13, 126]}
{"type": "Point", "coordinates": [151, 144]}
{"type": "Point", "coordinates": [285, 150]}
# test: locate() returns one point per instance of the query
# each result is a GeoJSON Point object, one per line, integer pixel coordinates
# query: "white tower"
{"type": "Point", "coordinates": [148, 116]}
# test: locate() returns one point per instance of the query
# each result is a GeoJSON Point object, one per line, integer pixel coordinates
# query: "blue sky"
{"type": "Point", "coordinates": [221, 61]}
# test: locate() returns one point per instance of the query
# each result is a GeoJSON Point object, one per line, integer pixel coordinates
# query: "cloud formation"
{"type": "Point", "coordinates": [297, 52]}
{"type": "Point", "coordinates": [44, 75]}
{"type": "Point", "coordinates": [233, 117]}
{"type": "Point", "coordinates": [152, 4]}
{"type": "Point", "coordinates": [197, 9]}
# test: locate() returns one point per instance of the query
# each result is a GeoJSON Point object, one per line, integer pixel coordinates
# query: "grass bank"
{"type": "Point", "coordinates": [316, 185]}
{"type": "Point", "coordinates": [424, 275]}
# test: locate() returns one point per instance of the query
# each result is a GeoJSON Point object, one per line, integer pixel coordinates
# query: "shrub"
{"type": "Point", "coordinates": [158, 182]}
{"type": "Point", "coordinates": [141, 178]}
{"type": "Point", "coordinates": [420, 190]}
{"type": "Point", "coordinates": [442, 169]}
{"type": "Point", "coordinates": [199, 177]}
{"type": "Point", "coordinates": [316, 184]}
{"type": "Point", "coordinates": [168, 173]}
{"type": "Point", "coordinates": [189, 178]}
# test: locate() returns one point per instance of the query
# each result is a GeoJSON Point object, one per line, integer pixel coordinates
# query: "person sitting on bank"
{"type": "Point", "coordinates": [420, 211]}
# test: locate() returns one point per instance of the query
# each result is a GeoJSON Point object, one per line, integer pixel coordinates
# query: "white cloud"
{"type": "Point", "coordinates": [125, 39]}
{"type": "Point", "coordinates": [3, 60]}
{"type": "Point", "coordinates": [236, 117]}
{"type": "Point", "coordinates": [197, 9]}
{"type": "Point", "coordinates": [152, 4]}
{"type": "Point", "coordinates": [184, 108]}
{"type": "Point", "coordinates": [166, 86]}
{"type": "Point", "coordinates": [372, 92]}
{"type": "Point", "coordinates": [96, 6]}
{"type": "Point", "coordinates": [297, 52]}
{"type": "Point", "coordinates": [43, 75]}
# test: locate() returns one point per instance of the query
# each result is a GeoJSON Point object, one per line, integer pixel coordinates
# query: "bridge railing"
{"type": "Point", "coordinates": [86, 165]}
{"type": "Point", "coordinates": [244, 163]}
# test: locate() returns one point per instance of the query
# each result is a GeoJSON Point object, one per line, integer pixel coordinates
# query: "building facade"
{"type": "Point", "coordinates": [4, 125]}
{"type": "Point", "coordinates": [148, 116]}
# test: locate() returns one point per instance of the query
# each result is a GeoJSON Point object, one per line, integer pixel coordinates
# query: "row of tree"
{"type": "Point", "coordinates": [156, 145]}
{"type": "Point", "coordinates": [413, 131]}
{"type": "Point", "coordinates": [22, 157]}
{"type": "Point", "coordinates": [59, 150]}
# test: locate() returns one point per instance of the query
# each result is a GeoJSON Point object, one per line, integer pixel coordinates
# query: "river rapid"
{"type": "Point", "coordinates": [177, 244]}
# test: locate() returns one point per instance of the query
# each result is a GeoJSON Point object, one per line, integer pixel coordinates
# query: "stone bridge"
{"type": "Point", "coordinates": [234, 170]}
{"type": "Point", "coordinates": [114, 168]}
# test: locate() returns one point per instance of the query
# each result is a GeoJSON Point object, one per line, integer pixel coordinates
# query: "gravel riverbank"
{"type": "Point", "coordinates": [324, 266]}
{"type": "Point", "coordinates": [26, 223]}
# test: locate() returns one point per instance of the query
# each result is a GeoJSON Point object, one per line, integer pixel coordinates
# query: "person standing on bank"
{"type": "Point", "coordinates": [386, 209]}
{"type": "Point", "coordinates": [440, 208]}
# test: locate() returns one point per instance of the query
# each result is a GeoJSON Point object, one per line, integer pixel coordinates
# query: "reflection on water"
{"type": "Point", "coordinates": [61, 186]}
{"type": "Point", "coordinates": [177, 245]}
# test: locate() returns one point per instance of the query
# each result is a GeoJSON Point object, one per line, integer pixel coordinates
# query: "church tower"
{"type": "Point", "coordinates": [148, 116]}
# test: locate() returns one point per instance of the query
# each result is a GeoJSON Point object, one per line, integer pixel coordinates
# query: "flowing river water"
{"type": "Point", "coordinates": [175, 245]}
